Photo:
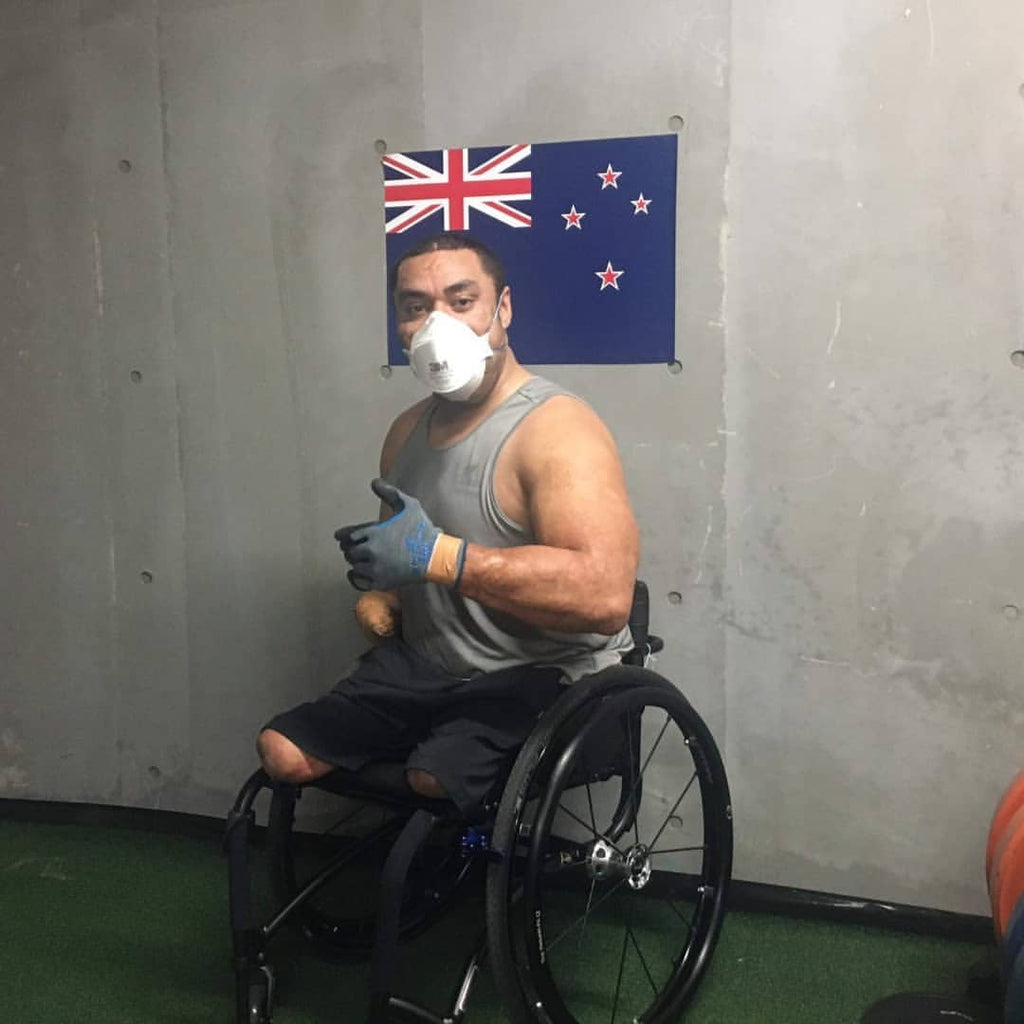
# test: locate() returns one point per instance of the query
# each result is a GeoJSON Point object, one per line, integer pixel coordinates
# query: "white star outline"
{"type": "Point", "coordinates": [640, 204]}
{"type": "Point", "coordinates": [609, 178]}
{"type": "Point", "coordinates": [609, 277]}
{"type": "Point", "coordinates": [573, 218]}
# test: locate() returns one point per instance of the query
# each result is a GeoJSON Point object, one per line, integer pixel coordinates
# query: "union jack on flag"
{"type": "Point", "coordinates": [585, 230]}
{"type": "Point", "coordinates": [457, 188]}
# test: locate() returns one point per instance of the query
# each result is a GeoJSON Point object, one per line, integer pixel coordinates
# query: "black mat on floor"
{"type": "Point", "coordinates": [927, 1008]}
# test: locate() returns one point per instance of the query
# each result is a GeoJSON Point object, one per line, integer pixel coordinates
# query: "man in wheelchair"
{"type": "Point", "coordinates": [502, 566]}
{"type": "Point", "coordinates": [503, 561]}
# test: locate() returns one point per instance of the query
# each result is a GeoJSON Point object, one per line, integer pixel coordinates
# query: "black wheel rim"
{"type": "Point", "coordinates": [640, 894]}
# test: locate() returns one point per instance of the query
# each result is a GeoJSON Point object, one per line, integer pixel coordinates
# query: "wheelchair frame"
{"type": "Point", "coordinates": [514, 843]}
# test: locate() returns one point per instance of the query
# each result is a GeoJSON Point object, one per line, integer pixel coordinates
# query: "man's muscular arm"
{"type": "Point", "coordinates": [579, 575]}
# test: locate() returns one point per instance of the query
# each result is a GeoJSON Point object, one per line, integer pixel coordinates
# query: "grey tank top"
{"type": "Point", "coordinates": [456, 488]}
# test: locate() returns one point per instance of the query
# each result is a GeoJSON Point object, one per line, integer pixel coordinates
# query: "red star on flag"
{"type": "Point", "coordinates": [572, 218]}
{"type": "Point", "coordinates": [609, 177]}
{"type": "Point", "coordinates": [640, 205]}
{"type": "Point", "coordinates": [609, 277]}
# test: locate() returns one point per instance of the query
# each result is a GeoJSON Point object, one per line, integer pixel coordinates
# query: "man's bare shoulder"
{"type": "Point", "coordinates": [399, 431]}
{"type": "Point", "coordinates": [572, 484]}
{"type": "Point", "coordinates": [561, 424]}
{"type": "Point", "coordinates": [560, 440]}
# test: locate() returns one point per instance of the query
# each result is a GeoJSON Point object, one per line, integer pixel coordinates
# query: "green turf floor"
{"type": "Point", "coordinates": [127, 927]}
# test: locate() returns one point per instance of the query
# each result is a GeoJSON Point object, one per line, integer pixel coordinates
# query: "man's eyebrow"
{"type": "Point", "coordinates": [461, 286]}
{"type": "Point", "coordinates": [409, 293]}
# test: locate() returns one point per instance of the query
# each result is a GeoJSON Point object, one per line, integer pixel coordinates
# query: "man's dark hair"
{"type": "Point", "coordinates": [449, 240]}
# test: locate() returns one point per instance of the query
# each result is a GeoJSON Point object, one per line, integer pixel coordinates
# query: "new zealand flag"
{"type": "Point", "coordinates": [586, 231]}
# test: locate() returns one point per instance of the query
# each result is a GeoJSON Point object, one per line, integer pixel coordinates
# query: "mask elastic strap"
{"type": "Point", "coordinates": [494, 316]}
{"type": "Point", "coordinates": [500, 348]}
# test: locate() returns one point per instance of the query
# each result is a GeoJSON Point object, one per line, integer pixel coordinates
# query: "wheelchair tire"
{"type": "Point", "coordinates": [341, 917]}
{"type": "Point", "coordinates": [543, 891]}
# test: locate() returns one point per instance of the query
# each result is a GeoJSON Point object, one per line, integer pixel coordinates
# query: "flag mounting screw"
{"type": "Point", "coordinates": [676, 123]}
{"type": "Point", "coordinates": [381, 145]}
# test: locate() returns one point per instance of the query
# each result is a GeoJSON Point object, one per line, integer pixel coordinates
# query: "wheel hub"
{"type": "Point", "coordinates": [605, 862]}
{"type": "Point", "coordinates": [638, 864]}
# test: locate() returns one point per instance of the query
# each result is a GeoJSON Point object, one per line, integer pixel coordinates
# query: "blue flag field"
{"type": "Point", "coordinates": [586, 231]}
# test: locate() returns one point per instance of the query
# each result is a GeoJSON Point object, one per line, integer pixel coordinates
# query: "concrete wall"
{"type": "Point", "coordinates": [874, 481]}
{"type": "Point", "coordinates": [191, 333]}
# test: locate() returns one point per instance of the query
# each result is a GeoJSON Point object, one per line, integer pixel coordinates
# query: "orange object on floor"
{"type": "Point", "coordinates": [1006, 882]}
{"type": "Point", "coordinates": [1009, 804]}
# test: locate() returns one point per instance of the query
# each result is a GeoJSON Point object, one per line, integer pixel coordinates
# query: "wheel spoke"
{"type": "Point", "coordinates": [668, 817]}
{"type": "Point", "coordinates": [586, 913]}
{"type": "Point", "coordinates": [565, 931]}
{"type": "Point", "coordinates": [647, 970]}
{"type": "Point", "coordinates": [679, 914]}
{"type": "Point", "coordinates": [679, 849]}
{"type": "Point", "coordinates": [592, 831]}
{"type": "Point", "coordinates": [688, 925]}
{"type": "Point", "coordinates": [640, 775]}
{"type": "Point", "coordinates": [622, 960]}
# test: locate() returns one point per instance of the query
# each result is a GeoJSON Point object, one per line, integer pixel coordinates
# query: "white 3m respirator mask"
{"type": "Point", "coordinates": [449, 357]}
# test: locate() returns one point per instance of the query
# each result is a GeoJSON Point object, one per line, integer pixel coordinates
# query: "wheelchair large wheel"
{"type": "Point", "coordinates": [615, 843]}
{"type": "Point", "coordinates": [340, 914]}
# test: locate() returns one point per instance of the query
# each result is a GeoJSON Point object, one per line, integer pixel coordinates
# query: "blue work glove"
{"type": "Point", "coordinates": [407, 548]}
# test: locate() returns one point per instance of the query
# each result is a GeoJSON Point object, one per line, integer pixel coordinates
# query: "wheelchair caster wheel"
{"type": "Point", "coordinates": [261, 995]}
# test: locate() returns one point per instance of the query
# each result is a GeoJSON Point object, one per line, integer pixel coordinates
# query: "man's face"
{"type": "Point", "coordinates": [453, 281]}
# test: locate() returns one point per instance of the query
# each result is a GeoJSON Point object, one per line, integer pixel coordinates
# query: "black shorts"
{"type": "Point", "coordinates": [395, 705]}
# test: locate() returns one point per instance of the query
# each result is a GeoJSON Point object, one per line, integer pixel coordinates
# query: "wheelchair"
{"type": "Point", "coordinates": [610, 836]}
